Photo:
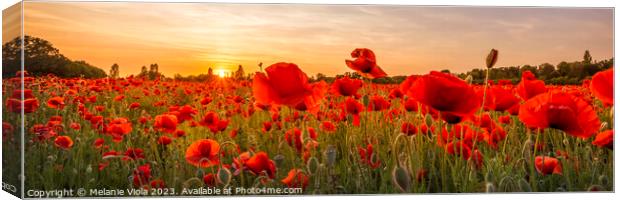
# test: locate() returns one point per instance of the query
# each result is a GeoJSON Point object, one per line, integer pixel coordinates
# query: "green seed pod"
{"type": "Point", "coordinates": [524, 186]}
{"type": "Point", "coordinates": [603, 180]}
{"type": "Point", "coordinates": [490, 188]}
{"type": "Point", "coordinates": [429, 120]}
{"type": "Point", "coordinates": [89, 169]}
{"type": "Point", "coordinates": [365, 100]}
{"type": "Point", "coordinates": [279, 160]}
{"type": "Point", "coordinates": [224, 176]}
{"type": "Point", "coordinates": [312, 165]}
{"type": "Point", "coordinates": [330, 155]}
{"type": "Point", "coordinates": [401, 178]}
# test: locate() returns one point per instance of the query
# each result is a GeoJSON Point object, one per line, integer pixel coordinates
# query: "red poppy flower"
{"type": "Point", "coordinates": [605, 139]}
{"type": "Point", "coordinates": [166, 122]}
{"type": "Point", "coordinates": [369, 157]}
{"type": "Point", "coordinates": [63, 142]}
{"type": "Point", "coordinates": [504, 119]}
{"type": "Point", "coordinates": [209, 180]}
{"type": "Point", "coordinates": [17, 94]}
{"type": "Point", "coordinates": [203, 153]}
{"type": "Point", "coordinates": [602, 86]}
{"type": "Point", "coordinates": [296, 179]}
{"type": "Point", "coordinates": [158, 184]}
{"type": "Point", "coordinates": [205, 101]}
{"type": "Point", "coordinates": [378, 103]}
{"type": "Point", "coordinates": [346, 86]}
{"type": "Point", "coordinates": [560, 111]}
{"type": "Point", "coordinates": [396, 93]}
{"type": "Point", "coordinates": [408, 129]}
{"type": "Point", "coordinates": [548, 165]}
{"type": "Point", "coordinates": [328, 126]}
{"type": "Point", "coordinates": [164, 140]}
{"type": "Point", "coordinates": [212, 121]}
{"type": "Point", "coordinates": [141, 175]}
{"type": "Point", "coordinates": [312, 133]}
{"type": "Point", "coordinates": [365, 63]}
{"type": "Point", "coordinates": [293, 138]}
{"type": "Point", "coordinates": [178, 133]}
{"type": "Point", "coordinates": [134, 105]}
{"type": "Point", "coordinates": [411, 105]}
{"type": "Point", "coordinates": [185, 112]}
{"type": "Point", "coordinates": [29, 105]}
{"type": "Point", "coordinates": [134, 154]}
{"type": "Point", "coordinates": [504, 99]}
{"type": "Point", "coordinates": [456, 100]}
{"type": "Point", "coordinates": [98, 143]}
{"type": "Point", "coordinates": [530, 86]}
{"type": "Point", "coordinates": [119, 98]}
{"type": "Point", "coordinates": [260, 163]}
{"type": "Point", "coordinates": [56, 102]}
{"type": "Point", "coordinates": [286, 84]}
{"type": "Point", "coordinates": [118, 128]}
{"type": "Point", "coordinates": [352, 107]}
{"type": "Point", "coordinates": [75, 126]}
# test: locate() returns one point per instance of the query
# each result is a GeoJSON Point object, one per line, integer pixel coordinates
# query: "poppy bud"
{"type": "Point", "coordinates": [603, 126]}
{"type": "Point", "coordinates": [279, 160]}
{"type": "Point", "coordinates": [223, 176]}
{"type": "Point", "coordinates": [565, 142]}
{"type": "Point", "coordinates": [490, 188]}
{"type": "Point", "coordinates": [560, 189]}
{"type": "Point", "coordinates": [603, 180]}
{"type": "Point", "coordinates": [366, 100]}
{"type": "Point", "coordinates": [89, 169]}
{"type": "Point", "coordinates": [491, 58]}
{"type": "Point", "coordinates": [469, 78]}
{"type": "Point", "coordinates": [524, 186]}
{"type": "Point", "coordinates": [401, 178]}
{"type": "Point", "coordinates": [312, 165]}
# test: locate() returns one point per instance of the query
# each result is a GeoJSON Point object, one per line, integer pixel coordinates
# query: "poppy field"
{"type": "Point", "coordinates": [432, 133]}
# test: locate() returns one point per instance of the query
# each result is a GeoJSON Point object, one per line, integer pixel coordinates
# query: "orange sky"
{"type": "Point", "coordinates": [190, 38]}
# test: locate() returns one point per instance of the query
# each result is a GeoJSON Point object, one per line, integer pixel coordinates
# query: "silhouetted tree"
{"type": "Point", "coordinates": [114, 71]}
{"type": "Point", "coordinates": [239, 74]}
{"type": "Point", "coordinates": [587, 58]}
{"type": "Point", "coordinates": [42, 58]}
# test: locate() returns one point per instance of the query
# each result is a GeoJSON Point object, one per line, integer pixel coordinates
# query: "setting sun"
{"type": "Point", "coordinates": [221, 73]}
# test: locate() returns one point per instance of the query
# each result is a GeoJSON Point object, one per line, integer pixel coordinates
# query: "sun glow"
{"type": "Point", "coordinates": [221, 73]}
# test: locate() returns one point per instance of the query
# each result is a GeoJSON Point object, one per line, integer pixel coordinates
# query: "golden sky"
{"type": "Point", "coordinates": [188, 38]}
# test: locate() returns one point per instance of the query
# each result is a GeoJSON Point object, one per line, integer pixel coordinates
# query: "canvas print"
{"type": "Point", "coordinates": [126, 99]}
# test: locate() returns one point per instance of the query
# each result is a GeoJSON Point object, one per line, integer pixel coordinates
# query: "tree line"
{"type": "Point", "coordinates": [561, 74]}
{"type": "Point", "coordinates": [42, 58]}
